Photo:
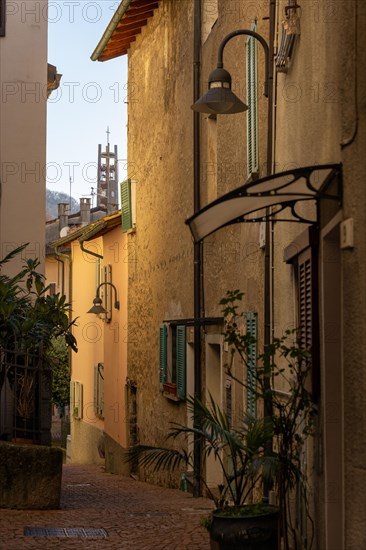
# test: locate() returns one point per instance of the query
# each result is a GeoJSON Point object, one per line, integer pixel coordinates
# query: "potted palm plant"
{"type": "Point", "coordinates": [240, 452]}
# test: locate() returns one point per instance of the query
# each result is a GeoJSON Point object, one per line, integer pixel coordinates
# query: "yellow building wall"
{"type": "Point", "coordinates": [115, 352]}
{"type": "Point", "coordinates": [58, 273]}
{"type": "Point", "coordinates": [89, 333]}
{"type": "Point", "coordinates": [100, 342]}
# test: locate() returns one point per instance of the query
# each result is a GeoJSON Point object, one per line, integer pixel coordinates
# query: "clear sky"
{"type": "Point", "coordinates": [91, 96]}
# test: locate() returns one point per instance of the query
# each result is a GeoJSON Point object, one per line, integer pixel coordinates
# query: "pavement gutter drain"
{"type": "Point", "coordinates": [65, 532]}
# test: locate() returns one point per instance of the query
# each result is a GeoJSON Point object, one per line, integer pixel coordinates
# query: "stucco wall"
{"type": "Point", "coordinates": [115, 352]}
{"type": "Point", "coordinates": [354, 272]}
{"type": "Point", "coordinates": [100, 342]}
{"type": "Point", "coordinates": [89, 334]}
{"type": "Point", "coordinates": [23, 78]}
{"type": "Point", "coordinates": [318, 103]}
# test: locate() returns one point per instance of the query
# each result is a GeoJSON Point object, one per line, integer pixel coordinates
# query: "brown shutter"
{"type": "Point", "coordinates": [305, 299]}
{"type": "Point", "coordinates": [2, 17]}
{"type": "Point", "coordinates": [308, 310]}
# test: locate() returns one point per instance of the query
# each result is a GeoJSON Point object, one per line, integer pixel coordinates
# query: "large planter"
{"type": "Point", "coordinates": [30, 476]}
{"type": "Point", "coordinates": [251, 531]}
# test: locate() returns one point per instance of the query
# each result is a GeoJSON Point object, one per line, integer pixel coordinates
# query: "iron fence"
{"type": "Point", "coordinates": [25, 397]}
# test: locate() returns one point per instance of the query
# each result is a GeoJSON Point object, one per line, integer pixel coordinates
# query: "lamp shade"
{"type": "Point", "coordinates": [219, 99]}
{"type": "Point", "coordinates": [97, 308]}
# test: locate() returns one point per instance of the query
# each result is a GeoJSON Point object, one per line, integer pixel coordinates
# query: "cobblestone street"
{"type": "Point", "coordinates": [135, 515]}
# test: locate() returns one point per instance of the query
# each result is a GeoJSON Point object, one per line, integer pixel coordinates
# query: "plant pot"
{"type": "Point", "coordinates": [170, 389]}
{"type": "Point", "coordinates": [252, 531]}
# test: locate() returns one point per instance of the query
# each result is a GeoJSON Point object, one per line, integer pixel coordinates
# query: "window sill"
{"type": "Point", "coordinates": [171, 396]}
{"type": "Point", "coordinates": [170, 391]}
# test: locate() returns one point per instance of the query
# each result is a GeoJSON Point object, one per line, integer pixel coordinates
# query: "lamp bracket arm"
{"type": "Point", "coordinates": [116, 302]}
{"type": "Point", "coordinates": [106, 283]}
{"type": "Point", "coordinates": [246, 32]}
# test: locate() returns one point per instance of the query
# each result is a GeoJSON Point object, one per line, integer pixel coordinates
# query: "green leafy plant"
{"type": "Point", "coordinates": [59, 355]}
{"type": "Point", "coordinates": [239, 451]}
{"type": "Point", "coordinates": [30, 319]}
{"type": "Point", "coordinates": [32, 323]}
{"type": "Point", "coordinates": [282, 364]}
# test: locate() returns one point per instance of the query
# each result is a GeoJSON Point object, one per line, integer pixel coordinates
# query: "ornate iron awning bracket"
{"type": "Point", "coordinates": [274, 198]}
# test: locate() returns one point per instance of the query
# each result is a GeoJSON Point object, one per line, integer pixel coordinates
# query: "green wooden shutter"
{"type": "Point", "coordinates": [126, 205]}
{"type": "Point", "coordinates": [163, 358]}
{"type": "Point", "coordinates": [251, 328]}
{"type": "Point", "coordinates": [252, 101]}
{"type": "Point", "coordinates": [181, 361]}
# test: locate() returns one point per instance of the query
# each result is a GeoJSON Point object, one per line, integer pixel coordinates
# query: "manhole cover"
{"type": "Point", "coordinates": [65, 532]}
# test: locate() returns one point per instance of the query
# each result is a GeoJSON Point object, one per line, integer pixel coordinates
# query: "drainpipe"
{"type": "Point", "coordinates": [269, 246]}
{"type": "Point", "coordinates": [267, 251]}
{"type": "Point", "coordinates": [61, 257]}
{"type": "Point", "coordinates": [87, 251]}
{"type": "Point", "coordinates": [198, 256]}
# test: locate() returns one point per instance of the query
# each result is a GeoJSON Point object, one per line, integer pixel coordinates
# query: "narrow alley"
{"type": "Point", "coordinates": [118, 512]}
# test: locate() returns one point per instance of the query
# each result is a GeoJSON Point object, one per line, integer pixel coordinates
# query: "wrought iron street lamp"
{"type": "Point", "coordinates": [219, 99]}
{"type": "Point", "coordinates": [97, 307]}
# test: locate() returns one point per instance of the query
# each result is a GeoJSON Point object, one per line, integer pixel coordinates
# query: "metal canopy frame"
{"type": "Point", "coordinates": [272, 198]}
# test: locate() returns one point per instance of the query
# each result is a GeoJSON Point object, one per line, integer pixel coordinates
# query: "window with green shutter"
{"type": "Point", "coordinates": [172, 361]}
{"type": "Point", "coordinates": [251, 322]}
{"type": "Point", "coordinates": [126, 205]}
{"type": "Point", "coordinates": [163, 355]}
{"type": "Point", "coordinates": [252, 101]}
{"type": "Point", "coordinates": [181, 361]}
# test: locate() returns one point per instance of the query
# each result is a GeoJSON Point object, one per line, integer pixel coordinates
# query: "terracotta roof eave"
{"type": "Point", "coordinates": [107, 57]}
{"type": "Point", "coordinates": [142, 4]}
{"type": "Point", "coordinates": [134, 27]}
{"type": "Point", "coordinates": [122, 8]}
{"type": "Point", "coordinates": [135, 18]}
{"type": "Point", "coordinates": [123, 46]}
{"type": "Point", "coordinates": [126, 24]}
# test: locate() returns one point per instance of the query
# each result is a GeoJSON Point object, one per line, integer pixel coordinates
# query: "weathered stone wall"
{"type": "Point", "coordinates": [160, 161]}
